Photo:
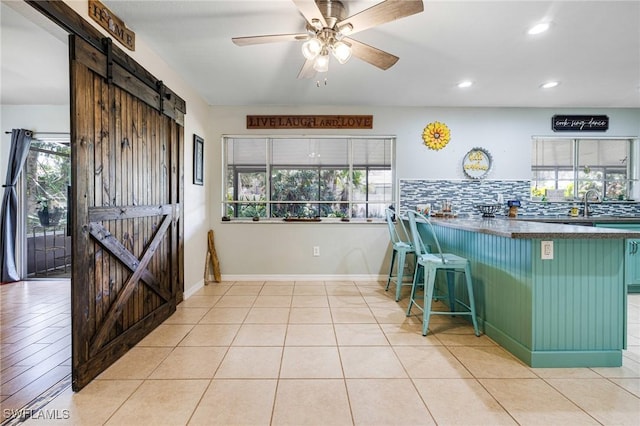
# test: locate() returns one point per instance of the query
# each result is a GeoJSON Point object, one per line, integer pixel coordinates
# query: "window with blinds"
{"type": "Point", "coordinates": [276, 177]}
{"type": "Point", "coordinates": [577, 165]}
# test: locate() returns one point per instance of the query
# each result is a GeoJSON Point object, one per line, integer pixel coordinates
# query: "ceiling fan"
{"type": "Point", "coordinates": [329, 31]}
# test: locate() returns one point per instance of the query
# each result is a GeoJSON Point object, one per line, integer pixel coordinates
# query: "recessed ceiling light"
{"type": "Point", "coordinates": [549, 84]}
{"type": "Point", "coordinates": [539, 28]}
{"type": "Point", "coordinates": [465, 84]}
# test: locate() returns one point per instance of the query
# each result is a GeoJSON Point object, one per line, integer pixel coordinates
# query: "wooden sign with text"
{"type": "Point", "coordinates": [309, 121]}
{"type": "Point", "coordinates": [114, 25]}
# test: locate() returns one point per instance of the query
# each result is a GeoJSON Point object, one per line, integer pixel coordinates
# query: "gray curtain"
{"type": "Point", "coordinates": [20, 142]}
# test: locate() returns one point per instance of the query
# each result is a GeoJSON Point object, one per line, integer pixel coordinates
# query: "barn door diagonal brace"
{"type": "Point", "coordinates": [127, 289]}
{"type": "Point", "coordinates": [117, 249]}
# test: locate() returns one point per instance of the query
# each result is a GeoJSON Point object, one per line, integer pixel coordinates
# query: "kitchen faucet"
{"type": "Point", "coordinates": [586, 200]}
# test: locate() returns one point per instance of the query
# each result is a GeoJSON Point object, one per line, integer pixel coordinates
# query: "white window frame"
{"type": "Point", "coordinates": [225, 203]}
{"type": "Point", "coordinates": [632, 166]}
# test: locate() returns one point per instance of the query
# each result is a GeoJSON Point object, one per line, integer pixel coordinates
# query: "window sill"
{"type": "Point", "coordinates": [323, 221]}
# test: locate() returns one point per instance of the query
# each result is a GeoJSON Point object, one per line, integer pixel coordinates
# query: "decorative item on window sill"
{"type": "Point", "coordinates": [436, 135]}
{"type": "Point", "coordinates": [302, 219]}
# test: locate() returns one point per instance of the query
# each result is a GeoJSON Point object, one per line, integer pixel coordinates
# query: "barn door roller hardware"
{"type": "Point", "coordinates": [107, 44]}
{"type": "Point", "coordinates": [162, 92]}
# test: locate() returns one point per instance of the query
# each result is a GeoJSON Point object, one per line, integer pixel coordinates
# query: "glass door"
{"type": "Point", "coordinates": [46, 206]}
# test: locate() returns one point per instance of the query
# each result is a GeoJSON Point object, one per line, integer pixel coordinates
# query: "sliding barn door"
{"type": "Point", "coordinates": [127, 180]}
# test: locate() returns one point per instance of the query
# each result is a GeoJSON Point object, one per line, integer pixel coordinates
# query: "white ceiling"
{"type": "Point", "coordinates": [592, 48]}
{"type": "Point", "coordinates": [35, 64]}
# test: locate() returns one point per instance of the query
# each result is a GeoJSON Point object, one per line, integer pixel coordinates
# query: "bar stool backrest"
{"type": "Point", "coordinates": [393, 231]}
{"type": "Point", "coordinates": [418, 243]}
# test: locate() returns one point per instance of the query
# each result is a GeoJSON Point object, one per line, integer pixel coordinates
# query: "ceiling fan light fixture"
{"type": "Point", "coordinates": [321, 63]}
{"type": "Point", "coordinates": [328, 24]}
{"type": "Point", "coordinates": [341, 51]}
{"type": "Point", "coordinates": [315, 23]}
{"type": "Point", "coordinates": [311, 48]}
{"type": "Point", "coordinates": [345, 29]}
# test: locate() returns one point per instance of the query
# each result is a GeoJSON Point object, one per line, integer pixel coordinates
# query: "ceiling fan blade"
{"type": "Point", "coordinates": [307, 70]}
{"type": "Point", "coordinates": [310, 11]}
{"type": "Point", "coordinates": [246, 41]}
{"type": "Point", "coordinates": [375, 57]}
{"type": "Point", "coordinates": [381, 13]}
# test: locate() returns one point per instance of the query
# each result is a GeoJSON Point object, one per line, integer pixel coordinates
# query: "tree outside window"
{"type": "Point", "coordinates": [308, 178]}
{"type": "Point", "coordinates": [47, 172]}
{"type": "Point", "coordinates": [577, 165]}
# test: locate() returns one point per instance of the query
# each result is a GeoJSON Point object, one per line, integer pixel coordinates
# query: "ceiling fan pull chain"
{"type": "Point", "coordinates": [318, 82]}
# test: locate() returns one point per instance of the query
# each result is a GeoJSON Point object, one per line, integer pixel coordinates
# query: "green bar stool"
{"type": "Point", "coordinates": [431, 264]}
{"type": "Point", "coordinates": [400, 249]}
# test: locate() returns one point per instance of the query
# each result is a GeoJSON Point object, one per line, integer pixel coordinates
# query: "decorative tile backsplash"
{"type": "Point", "coordinates": [465, 194]}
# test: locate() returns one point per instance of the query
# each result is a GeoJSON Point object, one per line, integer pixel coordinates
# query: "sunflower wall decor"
{"type": "Point", "coordinates": [436, 135]}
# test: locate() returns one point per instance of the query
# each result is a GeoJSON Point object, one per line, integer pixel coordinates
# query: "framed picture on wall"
{"type": "Point", "coordinates": [198, 155]}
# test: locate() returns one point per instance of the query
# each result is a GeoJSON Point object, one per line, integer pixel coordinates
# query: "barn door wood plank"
{"type": "Point", "coordinates": [115, 227]}
{"type": "Point", "coordinates": [128, 288]}
{"type": "Point", "coordinates": [101, 214]}
{"type": "Point", "coordinates": [101, 192]}
{"type": "Point", "coordinates": [178, 287]}
{"type": "Point", "coordinates": [82, 313]}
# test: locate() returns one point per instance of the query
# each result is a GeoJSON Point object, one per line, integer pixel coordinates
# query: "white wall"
{"type": "Point", "coordinates": [362, 250]}
{"type": "Point", "coordinates": [39, 118]}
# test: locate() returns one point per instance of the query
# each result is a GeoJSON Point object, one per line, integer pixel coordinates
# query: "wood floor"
{"type": "Point", "coordinates": [35, 340]}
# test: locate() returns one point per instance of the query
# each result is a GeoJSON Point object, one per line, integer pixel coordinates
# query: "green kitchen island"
{"type": "Point", "coordinates": [567, 311]}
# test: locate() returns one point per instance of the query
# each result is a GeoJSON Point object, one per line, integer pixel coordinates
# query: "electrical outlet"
{"type": "Point", "coordinates": [316, 250]}
{"type": "Point", "coordinates": [546, 249]}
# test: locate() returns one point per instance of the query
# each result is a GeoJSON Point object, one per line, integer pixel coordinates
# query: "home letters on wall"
{"type": "Point", "coordinates": [309, 121]}
{"type": "Point", "coordinates": [114, 25]}
{"type": "Point", "coordinates": [579, 123]}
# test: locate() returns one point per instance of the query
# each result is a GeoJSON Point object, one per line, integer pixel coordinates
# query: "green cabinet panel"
{"type": "Point", "coordinates": [633, 265]}
{"type": "Point", "coordinates": [566, 312]}
{"type": "Point", "coordinates": [632, 256]}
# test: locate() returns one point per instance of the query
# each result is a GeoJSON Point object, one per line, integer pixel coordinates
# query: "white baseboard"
{"type": "Point", "coordinates": [191, 290]}
{"type": "Point", "coordinates": [261, 277]}
{"type": "Point", "coordinates": [304, 277]}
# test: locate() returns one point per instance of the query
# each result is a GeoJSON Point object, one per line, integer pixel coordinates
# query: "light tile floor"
{"type": "Point", "coordinates": [315, 353]}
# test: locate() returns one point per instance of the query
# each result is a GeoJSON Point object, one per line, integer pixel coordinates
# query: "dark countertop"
{"type": "Point", "coordinates": [589, 220]}
{"type": "Point", "coordinates": [522, 228]}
